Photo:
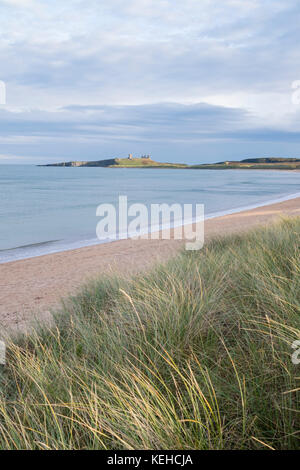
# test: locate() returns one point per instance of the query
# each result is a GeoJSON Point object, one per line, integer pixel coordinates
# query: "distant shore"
{"type": "Point", "coordinates": [33, 286]}
{"type": "Point", "coordinates": [271, 163]}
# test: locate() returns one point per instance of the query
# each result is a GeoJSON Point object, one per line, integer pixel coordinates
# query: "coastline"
{"type": "Point", "coordinates": [31, 287]}
{"type": "Point", "coordinates": [59, 246]}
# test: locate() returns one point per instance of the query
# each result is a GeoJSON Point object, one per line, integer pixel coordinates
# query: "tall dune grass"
{"type": "Point", "coordinates": [194, 355]}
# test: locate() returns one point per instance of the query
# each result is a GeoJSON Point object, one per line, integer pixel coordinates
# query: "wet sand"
{"type": "Point", "coordinates": [30, 288]}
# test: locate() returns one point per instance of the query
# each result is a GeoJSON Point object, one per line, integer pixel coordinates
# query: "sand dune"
{"type": "Point", "coordinates": [31, 288]}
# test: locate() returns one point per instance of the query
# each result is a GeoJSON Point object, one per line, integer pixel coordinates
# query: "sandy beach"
{"type": "Point", "coordinates": [30, 288]}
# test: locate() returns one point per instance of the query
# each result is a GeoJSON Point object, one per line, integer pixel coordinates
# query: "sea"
{"type": "Point", "coordinates": [50, 209]}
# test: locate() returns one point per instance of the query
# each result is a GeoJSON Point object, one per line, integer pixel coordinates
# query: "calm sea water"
{"type": "Point", "coordinates": [48, 209]}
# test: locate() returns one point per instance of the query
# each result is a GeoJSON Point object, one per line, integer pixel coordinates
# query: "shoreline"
{"type": "Point", "coordinates": [78, 244]}
{"type": "Point", "coordinates": [31, 287]}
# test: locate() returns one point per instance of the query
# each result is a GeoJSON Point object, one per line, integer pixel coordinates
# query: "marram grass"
{"type": "Point", "coordinates": [194, 355]}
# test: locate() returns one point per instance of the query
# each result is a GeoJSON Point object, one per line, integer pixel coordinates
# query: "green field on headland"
{"type": "Point", "coordinates": [196, 354]}
{"type": "Point", "coordinates": [253, 164]}
{"type": "Point", "coordinates": [248, 164]}
{"type": "Point", "coordinates": [121, 163]}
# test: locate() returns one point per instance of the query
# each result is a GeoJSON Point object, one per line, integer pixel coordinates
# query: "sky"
{"type": "Point", "coordinates": [185, 81]}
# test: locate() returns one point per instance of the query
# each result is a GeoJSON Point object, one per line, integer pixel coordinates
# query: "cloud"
{"type": "Point", "coordinates": [100, 131]}
{"type": "Point", "coordinates": [19, 3]}
{"type": "Point", "coordinates": [145, 50]}
{"type": "Point", "coordinates": [167, 121]}
{"type": "Point", "coordinates": [173, 68]}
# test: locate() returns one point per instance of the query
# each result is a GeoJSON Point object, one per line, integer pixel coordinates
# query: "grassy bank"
{"type": "Point", "coordinates": [144, 163]}
{"type": "Point", "coordinates": [194, 355]}
{"type": "Point", "coordinates": [247, 166]}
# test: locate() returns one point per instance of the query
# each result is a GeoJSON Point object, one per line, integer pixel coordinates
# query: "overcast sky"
{"type": "Point", "coordinates": [190, 81]}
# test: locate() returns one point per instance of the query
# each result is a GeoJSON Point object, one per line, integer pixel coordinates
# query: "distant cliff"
{"type": "Point", "coordinates": [271, 160]}
{"type": "Point", "coordinates": [104, 163]}
{"type": "Point", "coordinates": [270, 163]}
{"type": "Point", "coordinates": [121, 163]}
